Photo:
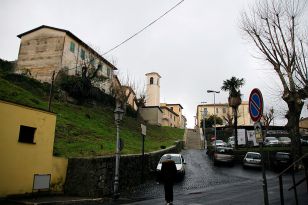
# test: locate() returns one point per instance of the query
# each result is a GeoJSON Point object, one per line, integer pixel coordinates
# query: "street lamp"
{"type": "Point", "coordinates": [203, 123]}
{"type": "Point", "coordinates": [214, 92]}
{"type": "Point", "coordinates": [118, 116]}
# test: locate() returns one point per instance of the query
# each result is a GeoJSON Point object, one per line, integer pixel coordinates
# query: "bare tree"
{"type": "Point", "coordinates": [268, 117]}
{"type": "Point", "coordinates": [274, 27]}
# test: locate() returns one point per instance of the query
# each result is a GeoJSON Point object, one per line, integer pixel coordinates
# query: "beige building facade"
{"type": "Point", "coordinates": [223, 110]}
{"type": "Point", "coordinates": [46, 49]}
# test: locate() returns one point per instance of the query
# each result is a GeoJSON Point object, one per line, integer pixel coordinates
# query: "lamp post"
{"type": "Point", "coordinates": [118, 116]}
{"type": "Point", "coordinates": [214, 92]}
{"type": "Point", "coordinates": [203, 123]}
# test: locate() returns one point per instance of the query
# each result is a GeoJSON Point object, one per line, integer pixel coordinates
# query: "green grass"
{"type": "Point", "coordinates": [84, 130]}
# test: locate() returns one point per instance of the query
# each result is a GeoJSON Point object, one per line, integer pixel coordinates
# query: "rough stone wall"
{"type": "Point", "coordinates": [95, 176]}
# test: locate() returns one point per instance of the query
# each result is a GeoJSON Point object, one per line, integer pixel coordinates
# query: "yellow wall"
{"type": "Point", "coordinates": [20, 161]}
{"type": "Point", "coordinates": [58, 174]}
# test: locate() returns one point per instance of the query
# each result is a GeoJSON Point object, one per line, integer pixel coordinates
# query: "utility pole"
{"type": "Point", "coordinates": [51, 90]}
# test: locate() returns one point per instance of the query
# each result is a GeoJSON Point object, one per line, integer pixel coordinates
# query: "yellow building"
{"type": "Point", "coordinates": [223, 111]}
{"type": "Point", "coordinates": [26, 149]}
{"type": "Point", "coordinates": [46, 49]}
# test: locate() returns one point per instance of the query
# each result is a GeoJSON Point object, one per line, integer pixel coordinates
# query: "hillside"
{"type": "Point", "coordinates": [84, 130]}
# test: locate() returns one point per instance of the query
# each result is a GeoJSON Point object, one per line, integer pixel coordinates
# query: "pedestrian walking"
{"type": "Point", "coordinates": [168, 174]}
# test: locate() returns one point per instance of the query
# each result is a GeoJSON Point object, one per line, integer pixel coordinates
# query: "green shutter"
{"type": "Point", "coordinates": [72, 47]}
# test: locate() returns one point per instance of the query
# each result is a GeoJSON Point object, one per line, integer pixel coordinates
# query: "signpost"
{"type": "Point", "coordinates": [256, 112]}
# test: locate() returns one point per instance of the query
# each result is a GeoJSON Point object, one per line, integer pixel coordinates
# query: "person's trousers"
{"type": "Point", "coordinates": [168, 192]}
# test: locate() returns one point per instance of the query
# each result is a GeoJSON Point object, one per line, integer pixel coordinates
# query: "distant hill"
{"type": "Point", "coordinates": [82, 130]}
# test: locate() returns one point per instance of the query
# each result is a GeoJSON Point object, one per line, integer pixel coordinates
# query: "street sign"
{"type": "Point", "coordinates": [258, 132]}
{"type": "Point", "coordinates": [255, 105]}
{"type": "Point", "coordinates": [143, 129]}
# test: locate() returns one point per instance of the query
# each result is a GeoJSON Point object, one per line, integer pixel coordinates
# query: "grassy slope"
{"type": "Point", "coordinates": [88, 131]}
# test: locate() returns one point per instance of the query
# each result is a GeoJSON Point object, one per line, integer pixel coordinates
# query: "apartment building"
{"type": "Point", "coordinates": [223, 110]}
{"type": "Point", "coordinates": [46, 49]}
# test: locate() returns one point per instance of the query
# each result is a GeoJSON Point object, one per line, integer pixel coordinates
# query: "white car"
{"type": "Point", "coordinates": [271, 141]}
{"type": "Point", "coordinates": [179, 163]}
{"type": "Point", "coordinates": [219, 143]}
{"type": "Point", "coordinates": [252, 159]}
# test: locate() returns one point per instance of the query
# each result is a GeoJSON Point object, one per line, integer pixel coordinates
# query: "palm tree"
{"type": "Point", "coordinates": [232, 86]}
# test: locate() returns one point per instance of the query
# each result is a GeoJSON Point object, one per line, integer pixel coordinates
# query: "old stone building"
{"type": "Point", "coordinates": [46, 49]}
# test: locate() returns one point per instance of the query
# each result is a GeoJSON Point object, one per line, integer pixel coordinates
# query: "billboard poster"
{"type": "Point", "coordinates": [241, 136]}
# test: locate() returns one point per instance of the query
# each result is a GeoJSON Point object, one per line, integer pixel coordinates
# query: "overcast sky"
{"type": "Point", "coordinates": [194, 48]}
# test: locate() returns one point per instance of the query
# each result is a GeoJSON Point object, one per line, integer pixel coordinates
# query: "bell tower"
{"type": "Point", "coordinates": [153, 89]}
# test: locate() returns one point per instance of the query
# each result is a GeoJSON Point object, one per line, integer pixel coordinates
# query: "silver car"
{"type": "Point", "coordinates": [284, 140]}
{"type": "Point", "coordinates": [252, 159]}
{"type": "Point", "coordinates": [223, 155]}
{"type": "Point", "coordinates": [219, 143]}
{"type": "Point", "coordinates": [271, 141]}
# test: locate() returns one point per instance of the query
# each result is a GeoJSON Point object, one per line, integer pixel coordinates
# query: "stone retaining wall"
{"type": "Point", "coordinates": [94, 176]}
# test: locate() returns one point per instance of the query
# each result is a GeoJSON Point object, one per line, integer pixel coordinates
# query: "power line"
{"type": "Point", "coordinates": [144, 28]}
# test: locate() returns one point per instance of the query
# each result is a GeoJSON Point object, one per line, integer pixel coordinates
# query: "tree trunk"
{"type": "Point", "coordinates": [295, 106]}
{"type": "Point", "coordinates": [235, 127]}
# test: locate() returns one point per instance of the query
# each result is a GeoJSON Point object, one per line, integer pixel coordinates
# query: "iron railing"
{"type": "Point", "coordinates": [302, 160]}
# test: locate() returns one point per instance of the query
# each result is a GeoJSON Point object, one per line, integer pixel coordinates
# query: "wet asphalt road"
{"type": "Point", "coordinates": [201, 175]}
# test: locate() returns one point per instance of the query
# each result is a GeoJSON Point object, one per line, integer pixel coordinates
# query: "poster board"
{"type": "Point", "coordinates": [241, 136]}
{"type": "Point", "coordinates": [41, 181]}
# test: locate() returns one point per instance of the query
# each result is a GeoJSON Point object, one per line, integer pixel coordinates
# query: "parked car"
{"type": "Point", "coordinates": [281, 160]}
{"type": "Point", "coordinates": [219, 143]}
{"type": "Point", "coordinates": [271, 141]}
{"type": "Point", "coordinates": [304, 142]}
{"type": "Point", "coordinates": [223, 155]}
{"type": "Point", "coordinates": [231, 141]}
{"type": "Point", "coordinates": [284, 140]}
{"type": "Point", "coordinates": [252, 159]}
{"type": "Point", "coordinates": [179, 163]}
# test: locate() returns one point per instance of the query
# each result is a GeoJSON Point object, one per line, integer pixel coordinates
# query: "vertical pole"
{"type": "Point", "coordinates": [142, 163]}
{"type": "Point", "coordinates": [264, 183]}
{"type": "Point", "coordinates": [235, 128]}
{"type": "Point", "coordinates": [203, 125]}
{"type": "Point", "coordinates": [306, 175]}
{"type": "Point", "coordinates": [294, 186]}
{"type": "Point", "coordinates": [281, 190]}
{"type": "Point", "coordinates": [215, 119]}
{"type": "Point", "coordinates": [50, 90]}
{"type": "Point", "coordinates": [116, 175]}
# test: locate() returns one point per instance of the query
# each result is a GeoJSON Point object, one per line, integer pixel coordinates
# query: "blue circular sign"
{"type": "Point", "coordinates": [255, 105]}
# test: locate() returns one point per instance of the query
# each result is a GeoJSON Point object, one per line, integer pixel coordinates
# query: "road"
{"type": "Point", "coordinates": [206, 184]}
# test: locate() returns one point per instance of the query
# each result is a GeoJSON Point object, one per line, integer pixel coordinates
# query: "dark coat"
{"type": "Point", "coordinates": [168, 171]}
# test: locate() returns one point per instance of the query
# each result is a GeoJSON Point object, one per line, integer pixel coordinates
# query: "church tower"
{"type": "Point", "coordinates": [153, 89]}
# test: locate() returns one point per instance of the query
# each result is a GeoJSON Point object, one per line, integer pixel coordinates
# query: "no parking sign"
{"type": "Point", "coordinates": [255, 105]}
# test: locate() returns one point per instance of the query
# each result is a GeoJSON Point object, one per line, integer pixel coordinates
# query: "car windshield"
{"type": "Point", "coordinates": [284, 138]}
{"type": "Point", "coordinates": [219, 141]}
{"type": "Point", "coordinates": [224, 150]}
{"type": "Point", "coordinates": [253, 156]}
{"type": "Point", "coordinates": [271, 138]}
{"type": "Point", "coordinates": [176, 159]}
